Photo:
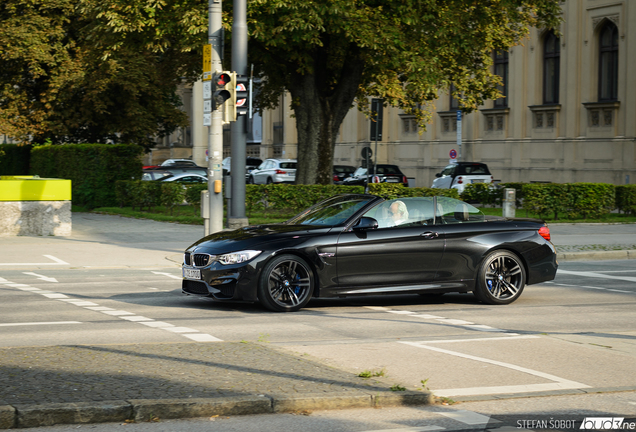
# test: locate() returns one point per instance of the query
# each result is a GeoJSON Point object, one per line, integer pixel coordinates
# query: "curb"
{"type": "Point", "coordinates": [597, 255]}
{"type": "Point", "coordinates": [140, 410]}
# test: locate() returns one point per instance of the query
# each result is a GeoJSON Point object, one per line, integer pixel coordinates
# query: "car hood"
{"type": "Point", "coordinates": [252, 237]}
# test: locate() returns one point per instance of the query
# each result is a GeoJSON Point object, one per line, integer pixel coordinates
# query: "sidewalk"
{"type": "Point", "coordinates": [87, 384]}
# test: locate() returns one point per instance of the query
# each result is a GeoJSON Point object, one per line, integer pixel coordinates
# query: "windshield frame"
{"type": "Point", "coordinates": [362, 203]}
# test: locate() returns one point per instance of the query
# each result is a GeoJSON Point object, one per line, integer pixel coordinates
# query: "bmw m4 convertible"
{"type": "Point", "coordinates": [351, 245]}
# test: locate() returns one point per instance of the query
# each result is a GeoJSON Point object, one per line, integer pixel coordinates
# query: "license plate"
{"type": "Point", "coordinates": [391, 180]}
{"type": "Point", "coordinates": [191, 273]}
{"type": "Point", "coordinates": [477, 181]}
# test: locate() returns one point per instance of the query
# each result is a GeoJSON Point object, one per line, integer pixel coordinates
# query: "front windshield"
{"type": "Point", "coordinates": [331, 212]}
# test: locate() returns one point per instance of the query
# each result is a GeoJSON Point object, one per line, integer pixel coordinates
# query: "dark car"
{"type": "Point", "coordinates": [341, 172]}
{"type": "Point", "coordinates": [360, 244]}
{"type": "Point", "coordinates": [379, 174]}
{"type": "Point", "coordinates": [251, 163]}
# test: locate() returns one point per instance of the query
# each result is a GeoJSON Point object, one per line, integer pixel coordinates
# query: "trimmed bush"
{"type": "Point", "coordinates": [626, 199]}
{"type": "Point", "coordinates": [15, 159]}
{"type": "Point", "coordinates": [92, 168]}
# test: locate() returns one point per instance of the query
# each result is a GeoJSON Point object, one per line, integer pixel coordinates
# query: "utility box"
{"type": "Point", "coordinates": [509, 199]}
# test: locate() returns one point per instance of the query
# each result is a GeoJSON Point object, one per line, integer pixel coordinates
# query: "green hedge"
{"type": "Point", "coordinates": [14, 159]}
{"type": "Point", "coordinates": [626, 199]}
{"type": "Point", "coordinates": [92, 168]}
{"type": "Point", "coordinates": [570, 200]}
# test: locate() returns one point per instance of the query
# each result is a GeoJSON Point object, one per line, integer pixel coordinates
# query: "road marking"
{"type": "Point", "coordinates": [557, 384]}
{"type": "Point", "coordinates": [411, 429]}
{"type": "Point", "coordinates": [467, 417]}
{"type": "Point", "coordinates": [39, 276]}
{"type": "Point", "coordinates": [455, 321]}
{"type": "Point", "coordinates": [51, 257]}
{"type": "Point", "coordinates": [39, 323]}
{"type": "Point", "coordinates": [476, 339]}
{"type": "Point", "coordinates": [168, 274]}
{"type": "Point", "coordinates": [129, 316]}
{"type": "Point", "coordinates": [597, 275]}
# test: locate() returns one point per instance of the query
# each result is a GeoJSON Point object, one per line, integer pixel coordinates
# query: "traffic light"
{"type": "Point", "coordinates": [242, 94]}
{"type": "Point", "coordinates": [223, 84]}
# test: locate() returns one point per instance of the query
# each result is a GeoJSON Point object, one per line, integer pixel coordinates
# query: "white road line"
{"type": "Point", "coordinates": [427, 316]}
{"type": "Point", "coordinates": [467, 417]}
{"type": "Point", "coordinates": [411, 429]}
{"type": "Point", "coordinates": [156, 324]}
{"type": "Point", "coordinates": [168, 274]}
{"type": "Point", "coordinates": [117, 313]}
{"type": "Point", "coordinates": [202, 337]}
{"type": "Point", "coordinates": [474, 340]}
{"type": "Point", "coordinates": [39, 323]}
{"type": "Point", "coordinates": [401, 312]}
{"type": "Point", "coordinates": [557, 384]}
{"type": "Point", "coordinates": [136, 318]}
{"type": "Point", "coordinates": [454, 321]}
{"type": "Point", "coordinates": [597, 275]}
{"type": "Point", "coordinates": [615, 290]}
{"type": "Point", "coordinates": [51, 257]}
{"type": "Point", "coordinates": [42, 277]}
{"type": "Point", "coordinates": [55, 296]}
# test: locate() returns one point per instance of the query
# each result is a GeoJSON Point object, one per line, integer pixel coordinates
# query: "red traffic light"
{"type": "Point", "coordinates": [222, 79]}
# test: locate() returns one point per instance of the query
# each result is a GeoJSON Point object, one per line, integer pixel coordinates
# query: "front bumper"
{"type": "Point", "coordinates": [224, 284]}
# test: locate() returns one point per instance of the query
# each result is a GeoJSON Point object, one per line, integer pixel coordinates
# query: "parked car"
{"type": "Point", "coordinates": [348, 245]}
{"type": "Point", "coordinates": [178, 162]}
{"type": "Point", "coordinates": [185, 178]}
{"type": "Point", "coordinates": [383, 174]}
{"type": "Point", "coordinates": [154, 174]}
{"type": "Point", "coordinates": [458, 175]}
{"type": "Point", "coordinates": [251, 163]}
{"type": "Point", "coordinates": [274, 171]}
{"type": "Point", "coordinates": [341, 172]}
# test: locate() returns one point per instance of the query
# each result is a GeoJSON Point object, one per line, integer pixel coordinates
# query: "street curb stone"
{"type": "Point", "coordinates": [71, 413]}
{"type": "Point", "coordinates": [147, 409]}
{"type": "Point", "coordinates": [309, 402]}
{"type": "Point", "coordinates": [7, 417]}
{"type": "Point", "coordinates": [596, 255]}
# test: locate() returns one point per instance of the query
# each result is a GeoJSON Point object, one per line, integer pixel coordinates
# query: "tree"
{"type": "Point", "coordinates": [330, 54]}
{"type": "Point", "coordinates": [68, 76]}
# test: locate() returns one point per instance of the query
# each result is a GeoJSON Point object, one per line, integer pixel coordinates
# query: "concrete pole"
{"type": "Point", "coordinates": [215, 131]}
{"type": "Point", "coordinates": [236, 216]}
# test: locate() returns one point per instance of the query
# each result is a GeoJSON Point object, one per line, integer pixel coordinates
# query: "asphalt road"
{"type": "Point", "coordinates": [573, 335]}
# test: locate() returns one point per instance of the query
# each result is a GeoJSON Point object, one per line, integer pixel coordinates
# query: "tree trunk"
{"type": "Point", "coordinates": [320, 111]}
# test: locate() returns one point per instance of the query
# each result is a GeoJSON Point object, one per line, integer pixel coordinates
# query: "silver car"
{"type": "Point", "coordinates": [274, 171]}
{"type": "Point", "coordinates": [458, 175]}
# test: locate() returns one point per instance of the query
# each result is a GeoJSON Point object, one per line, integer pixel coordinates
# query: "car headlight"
{"type": "Point", "coordinates": [237, 257]}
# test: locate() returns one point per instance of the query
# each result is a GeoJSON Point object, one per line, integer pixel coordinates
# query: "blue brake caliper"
{"type": "Point", "coordinates": [489, 283]}
{"type": "Point", "coordinates": [297, 287]}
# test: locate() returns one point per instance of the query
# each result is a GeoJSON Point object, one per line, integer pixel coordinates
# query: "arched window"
{"type": "Point", "coordinates": [501, 69]}
{"type": "Point", "coordinates": [608, 63]}
{"type": "Point", "coordinates": [551, 60]}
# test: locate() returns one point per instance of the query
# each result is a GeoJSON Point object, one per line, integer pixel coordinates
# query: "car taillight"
{"type": "Point", "coordinates": [280, 172]}
{"type": "Point", "coordinates": [491, 179]}
{"type": "Point", "coordinates": [459, 180]}
{"type": "Point", "coordinates": [335, 177]}
{"type": "Point", "coordinates": [545, 232]}
{"type": "Point", "coordinates": [404, 180]}
{"type": "Point", "coordinates": [376, 179]}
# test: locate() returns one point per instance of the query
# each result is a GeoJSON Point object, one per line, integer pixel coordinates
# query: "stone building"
{"type": "Point", "coordinates": [569, 112]}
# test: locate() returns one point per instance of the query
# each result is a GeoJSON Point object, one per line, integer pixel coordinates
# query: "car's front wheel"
{"type": "Point", "coordinates": [286, 284]}
{"type": "Point", "coordinates": [250, 180]}
{"type": "Point", "coordinates": [501, 278]}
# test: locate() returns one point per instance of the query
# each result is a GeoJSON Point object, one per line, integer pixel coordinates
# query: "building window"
{"type": "Point", "coordinates": [551, 57]}
{"type": "Point", "coordinates": [453, 103]}
{"type": "Point", "coordinates": [608, 63]}
{"type": "Point", "coordinates": [501, 69]}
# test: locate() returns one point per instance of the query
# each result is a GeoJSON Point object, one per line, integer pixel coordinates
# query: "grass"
{"type": "Point", "coordinates": [186, 214]}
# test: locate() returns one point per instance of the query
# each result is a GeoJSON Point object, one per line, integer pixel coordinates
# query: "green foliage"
{"type": "Point", "coordinates": [193, 194]}
{"type": "Point", "coordinates": [172, 194]}
{"type": "Point", "coordinates": [626, 199]}
{"type": "Point", "coordinates": [15, 159]}
{"type": "Point", "coordinates": [92, 168]}
{"type": "Point", "coordinates": [574, 200]}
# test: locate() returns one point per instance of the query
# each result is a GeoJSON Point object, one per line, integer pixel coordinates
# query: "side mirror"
{"type": "Point", "coordinates": [366, 223]}
{"type": "Point", "coordinates": [438, 175]}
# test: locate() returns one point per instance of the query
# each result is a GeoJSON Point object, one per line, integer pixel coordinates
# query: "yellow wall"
{"type": "Point", "coordinates": [23, 188]}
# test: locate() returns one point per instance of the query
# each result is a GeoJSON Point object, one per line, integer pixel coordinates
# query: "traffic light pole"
{"type": "Point", "coordinates": [236, 210]}
{"type": "Point", "coordinates": [215, 130]}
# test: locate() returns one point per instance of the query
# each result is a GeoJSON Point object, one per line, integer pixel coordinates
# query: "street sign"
{"type": "Point", "coordinates": [453, 154]}
{"type": "Point", "coordinates": [207, 62]}
{"type": "Point", "coordinates": [367, 152]}
{"type": "Point", "coordinates": [207, 90]}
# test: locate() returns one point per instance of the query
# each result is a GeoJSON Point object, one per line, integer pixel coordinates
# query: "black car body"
{"type": "Point", "coordinates": [378, 174]}
{"type": "Point", "coordinates": [347, 245]}
{"type": "Point", "coordinates": [341, 172]}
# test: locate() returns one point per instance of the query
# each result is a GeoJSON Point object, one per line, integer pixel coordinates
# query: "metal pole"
{"type": "Point", "coordinates": [215, 130]}
{"type": "Point", "coordinates": [236, 216]}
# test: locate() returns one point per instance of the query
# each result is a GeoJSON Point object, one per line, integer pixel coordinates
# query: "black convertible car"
{"type": "Point", "coordinates": [366, 245]}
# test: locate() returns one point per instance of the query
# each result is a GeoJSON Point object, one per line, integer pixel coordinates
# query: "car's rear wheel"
{"type": "Point", "coordinates": [269, 180]}
{"type": "Point", "coordinates": [501, 278]}
{"type": "Point", "coordinates": [286, 284]}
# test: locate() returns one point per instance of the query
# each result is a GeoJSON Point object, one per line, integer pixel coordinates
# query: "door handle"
{"type": "Point", "coordinates": [429, 235]}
